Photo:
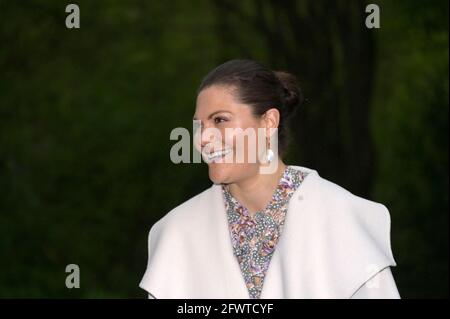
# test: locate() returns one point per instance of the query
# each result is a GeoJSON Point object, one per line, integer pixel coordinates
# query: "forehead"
{"type": "Point", "coordinates": [216, 94]}
{"type": "Point", "coordinates": [216, 98]}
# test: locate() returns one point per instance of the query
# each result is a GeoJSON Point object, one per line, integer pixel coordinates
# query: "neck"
{"type": "Point", "coordinates": [256, 192]}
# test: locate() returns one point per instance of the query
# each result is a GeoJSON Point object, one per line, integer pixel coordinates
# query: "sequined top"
{"type": "Point", "coordinates": [254, 237]}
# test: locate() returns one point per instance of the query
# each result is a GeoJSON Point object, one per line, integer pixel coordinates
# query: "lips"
{"type": "Point", "coordinates": [213, 156]}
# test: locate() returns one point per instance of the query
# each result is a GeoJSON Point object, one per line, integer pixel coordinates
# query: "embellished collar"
{"type": "Point", "coordinates": [289, 181]}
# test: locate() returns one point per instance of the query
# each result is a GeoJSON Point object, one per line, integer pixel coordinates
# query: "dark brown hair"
{"type": "Point", "coordinates": [261, 88]}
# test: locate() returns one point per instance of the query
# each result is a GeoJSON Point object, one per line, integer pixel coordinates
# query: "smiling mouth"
{"type": "Point", "coordinates": [213, 156]}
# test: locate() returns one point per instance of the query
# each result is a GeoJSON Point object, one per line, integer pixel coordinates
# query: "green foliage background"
{"type": "Point", "coordinates": [85, 118]}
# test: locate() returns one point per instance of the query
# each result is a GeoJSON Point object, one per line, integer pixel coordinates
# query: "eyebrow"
{"type": "Point", "coordinates": [212, 114]}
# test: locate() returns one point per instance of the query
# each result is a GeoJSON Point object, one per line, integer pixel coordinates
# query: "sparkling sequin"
{"type": "Point", "coordinates": [254, 238]}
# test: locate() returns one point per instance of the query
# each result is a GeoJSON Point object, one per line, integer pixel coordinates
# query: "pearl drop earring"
{"type": "Point", "coordinates": [269, 154]}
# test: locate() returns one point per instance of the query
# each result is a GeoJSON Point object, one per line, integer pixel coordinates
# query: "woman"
{"type": "Point", "coordinates": [283, 232]}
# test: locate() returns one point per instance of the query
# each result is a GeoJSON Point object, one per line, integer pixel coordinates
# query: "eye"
{"type": "Point", "coordinates": [219, 119]}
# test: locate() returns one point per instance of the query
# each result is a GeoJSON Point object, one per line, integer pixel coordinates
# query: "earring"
{"type": "Point", "coordinates": [269, 154]}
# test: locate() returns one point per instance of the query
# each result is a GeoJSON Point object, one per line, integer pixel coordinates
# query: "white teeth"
{"type": "Point", "coordinates": [218, 154]}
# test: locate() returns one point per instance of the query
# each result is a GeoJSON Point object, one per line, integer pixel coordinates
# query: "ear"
{"type": "Point", "coordinates": [271, 119]}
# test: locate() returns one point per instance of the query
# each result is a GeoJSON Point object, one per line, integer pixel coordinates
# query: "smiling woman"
{"type": "Point", "coordinates": [283, 233]}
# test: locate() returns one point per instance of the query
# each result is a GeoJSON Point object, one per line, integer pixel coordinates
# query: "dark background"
{"type": "Point", "coordinates": [85, 118]}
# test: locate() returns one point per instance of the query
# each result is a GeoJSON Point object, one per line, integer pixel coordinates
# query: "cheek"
{"type": "Point", "coordinates": [197, 140]}
{"type": "Point", "coordinates": [229, 137]}
{"type": "Point", "coordinates": [247, 145]}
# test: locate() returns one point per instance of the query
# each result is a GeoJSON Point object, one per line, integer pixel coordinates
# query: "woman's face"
{"type": "Point", "coordinates": [218, 110]}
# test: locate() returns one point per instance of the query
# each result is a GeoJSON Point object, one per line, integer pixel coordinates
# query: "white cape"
{"type": "Point", "coordinates": [333, 242]}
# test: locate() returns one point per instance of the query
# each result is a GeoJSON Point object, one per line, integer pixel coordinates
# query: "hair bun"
{"type": "Point", "coordinates": [293, 95]}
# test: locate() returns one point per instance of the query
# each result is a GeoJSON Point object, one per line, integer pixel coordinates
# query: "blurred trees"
{"type": "Point", "coordinates": [410, 125]}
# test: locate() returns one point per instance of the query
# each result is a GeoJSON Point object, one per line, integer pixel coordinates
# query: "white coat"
{"type": "Point", "coordinates": [334, 244]}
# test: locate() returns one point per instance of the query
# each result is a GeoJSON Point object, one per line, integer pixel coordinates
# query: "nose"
{"type": "Point", "coordinates": [207, 138]}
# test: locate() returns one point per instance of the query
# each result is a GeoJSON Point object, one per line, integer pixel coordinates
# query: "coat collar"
{"type": "Point", "coordinates": [332, 242]}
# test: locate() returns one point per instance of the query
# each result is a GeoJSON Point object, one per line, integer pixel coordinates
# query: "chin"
{"type": "Point", "coordinates": [218, 173]}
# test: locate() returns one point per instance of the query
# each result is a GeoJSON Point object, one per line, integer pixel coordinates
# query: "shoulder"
{"type": "Point", "coordinates": [337, 201]}
{"type": "Point", "coordinates": [352, 232]}
{"type": "Point", "coordinates": [342, 203]}
{"type": "Point", "coordinates": [360, 224]}
{"type": "Point", "coordinates": [349, 220]}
